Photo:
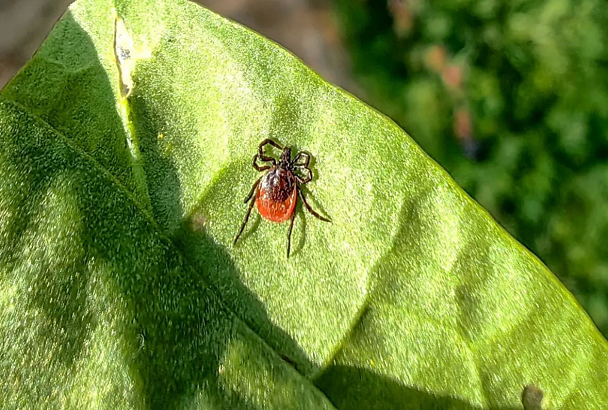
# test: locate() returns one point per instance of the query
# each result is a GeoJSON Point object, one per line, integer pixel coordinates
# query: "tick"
{"type": "Point", "coordinates": [276, 192]}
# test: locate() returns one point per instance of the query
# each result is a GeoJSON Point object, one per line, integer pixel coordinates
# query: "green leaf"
{"type": "Point", "coordinates": [121, 192]}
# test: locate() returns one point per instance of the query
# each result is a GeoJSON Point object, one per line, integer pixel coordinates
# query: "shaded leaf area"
{"type": "Point", "coordinates": [352, 387]}
{"type": "Point", "coordinates": [120, 286]}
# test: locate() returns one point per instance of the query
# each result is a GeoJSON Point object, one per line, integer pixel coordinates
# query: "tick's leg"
{"type": "Point", "coordinates": [262, 168]}
{"type": "Point", "coordinates": [244, 222]}
{"type": "Point", "coordinates": [305, 179]}
{"type": "Point", "coordinates": [249, 197]}
{"type": "Point", "coordinates": [312, 211]}
{"type": "Point", "coordinates": [297, 158]}
{"type": "Point", "coordinates": [250, 194]}
{"type": "Point", "coordinates": [293, 217]}
{"type": "Point", "coordinates": [261, 150]}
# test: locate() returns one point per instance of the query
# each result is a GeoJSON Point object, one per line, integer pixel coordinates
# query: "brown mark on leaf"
{"type": "Point", "coordinates": [533, 398]}
{"type": "Point", "coordinates": [198, 222]}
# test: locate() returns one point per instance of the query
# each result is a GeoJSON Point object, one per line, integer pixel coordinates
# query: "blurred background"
{"type": "Point", "coordinates": [510, 96]}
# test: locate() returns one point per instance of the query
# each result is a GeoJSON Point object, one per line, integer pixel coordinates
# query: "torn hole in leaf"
{"type": "Point", "coordinates": [125, 56]}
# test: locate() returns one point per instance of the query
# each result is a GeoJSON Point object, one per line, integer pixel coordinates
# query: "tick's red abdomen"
{"type": "Point", "coordinates": [276, 195]}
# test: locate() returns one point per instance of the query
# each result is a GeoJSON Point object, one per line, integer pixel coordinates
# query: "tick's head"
{"type": "Point", "coordinates": [285, 157]}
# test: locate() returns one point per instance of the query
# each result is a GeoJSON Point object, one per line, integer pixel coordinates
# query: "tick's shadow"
{"type": "Point", "coordinates": [252, 225]}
